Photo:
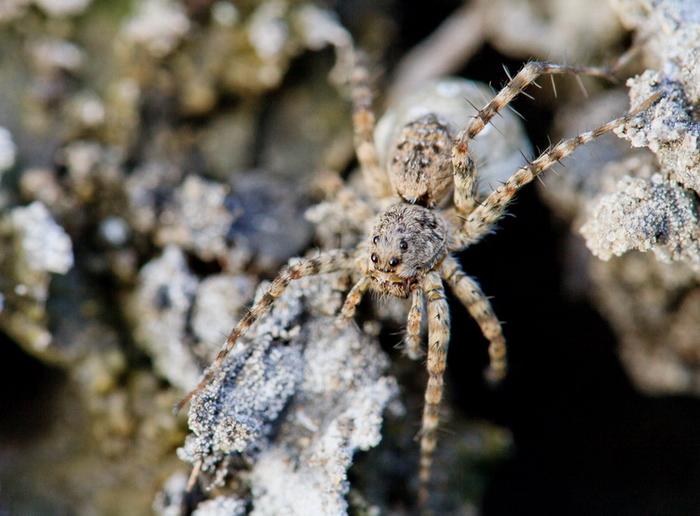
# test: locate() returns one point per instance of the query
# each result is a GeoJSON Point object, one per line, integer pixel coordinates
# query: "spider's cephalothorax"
{"type": "Point", "coordinates": [408, 252]}
{"type": "Point", "coordinates": [406, 242]}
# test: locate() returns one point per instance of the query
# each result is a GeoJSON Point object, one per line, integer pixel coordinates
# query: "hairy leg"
{"type": "Point", "coordinates": [480, 221]}
{"type": "Point", "coordinates": [438, 339]}
{"type": "Point", "coordinates": [353, 299]}
{"type": "Point", "coordinates": [413, 349]}
{"type": "Point", "coordinates": [324, 263]}
{"type": "Point", "coordinates": [479, 307]}
{"type": "Point", "coordinates": [462, 162]}
{"type": "Point", "coordinates": [363, 120]}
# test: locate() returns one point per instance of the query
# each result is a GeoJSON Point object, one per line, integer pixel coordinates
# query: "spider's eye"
{"type": "Point", "coordinates": [374, 258]}
{"type": "Point", "coordinates": [403, 245]}
{"type": "Point", "coordinates": [394, 262]}
{"type": "Point", "coordinates": [376, 240]}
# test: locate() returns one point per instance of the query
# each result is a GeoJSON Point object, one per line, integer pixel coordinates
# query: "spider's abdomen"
{"type": "Point", "coordinates": [420, 168]}
{"type": "Point", "coordinates": [406, 242]}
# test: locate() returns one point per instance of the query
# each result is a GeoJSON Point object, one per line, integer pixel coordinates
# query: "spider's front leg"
{"type": "Point", "coordinates": [324, 263]}
{"type": "Point", "coordinates": [438, 340]}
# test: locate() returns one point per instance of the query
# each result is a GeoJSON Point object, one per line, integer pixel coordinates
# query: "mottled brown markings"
{"type": "Point", "coordinates": [419, 171]}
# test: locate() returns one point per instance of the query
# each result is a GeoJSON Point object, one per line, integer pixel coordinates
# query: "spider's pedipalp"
{"type": "Point", "coordinates": [438, 339]}
{"type": "Point", "coordinates": [324, 263]}
{"type": "Point", "coordinates": [480, 221]}
{"type": "Point", "coordinates": [477, 304]}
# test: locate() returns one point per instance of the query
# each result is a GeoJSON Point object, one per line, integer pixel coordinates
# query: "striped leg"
{"type": "Point", "coordinates": [352, 300]}
{"type": "Point", "coordinates": [482, 219]}
{"type": "Point", "coordinates": [472, 297]}
{"type": "Point", "coordinates": [464, 167]}
{"type": "Point", "coordinates": [413, 349]}
{"type": "Point", "coordinates": [324, 263]}
{"type": "Point", "coordinates": [376, 178]}
{"type": "Point", "coordinates": [438, 339]}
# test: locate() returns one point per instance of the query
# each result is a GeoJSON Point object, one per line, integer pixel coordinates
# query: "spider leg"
{"type": "Point", "coordinates": [481, 220]}
{"type": "Point", "coordinates": [413, 349]}
{"type": "Point", "coordinates": [324, 263]}
{"type": "Point", "coordinates": [438, 339]}
{"type": "Point", "coordinates": [479, 307]}
{"type": "Point", "coordinates": [363, 122]}
{"type": "Point", "coordinates": [526, 76]}
{"type": "Point", "coordinates": [464, 178]}
{"type": "Point", "coordinates": [353, 299]}
{"type": "Point", "coordinates": [463, 164]}
{"type": "Point", "coordinates": [335, 190]}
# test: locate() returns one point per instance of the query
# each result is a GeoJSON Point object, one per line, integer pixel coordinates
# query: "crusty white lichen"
{"type": "Point", "coordinates": [42, 243]}
{"type": "Point", "coordinates": [669, 129]}
{"type": "Point", "coordinates": [219, 300]}
{"type": "Point", "coordinates": [646, 215]}
{"type": "Point", "coordinates": [627, 201]}
{"type": "Point", "coordinates": [165, 292]}
{"type": "Point", "coordinates": [34, 247]}
{"type": "Point", "coordinates": [197, 219]}
{"type": "Point", "coordinates": [178, 319]}
{"type": "Point", "coordinates": [158, 25]}
{"type": "Point", "coordinates": [295, 400]}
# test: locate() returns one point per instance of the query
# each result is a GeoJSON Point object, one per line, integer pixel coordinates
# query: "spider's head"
{"type": "Point", "coordinates": [406, 242]}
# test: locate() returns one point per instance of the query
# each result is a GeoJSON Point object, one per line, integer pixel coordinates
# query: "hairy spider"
{"type": "Point", "coordinates": [408, 253]}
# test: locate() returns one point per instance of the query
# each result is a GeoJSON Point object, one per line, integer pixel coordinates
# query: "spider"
{"type": "Point", "coordinates": [434, 211]}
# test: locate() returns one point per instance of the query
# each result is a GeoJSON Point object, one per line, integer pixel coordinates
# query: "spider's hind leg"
{"type": "Point", "coordinates": [462, 162]}
{"type": "Point", "coordinates": [481, 221]}
{"type": "Point", "coordinates": [363, 121]}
